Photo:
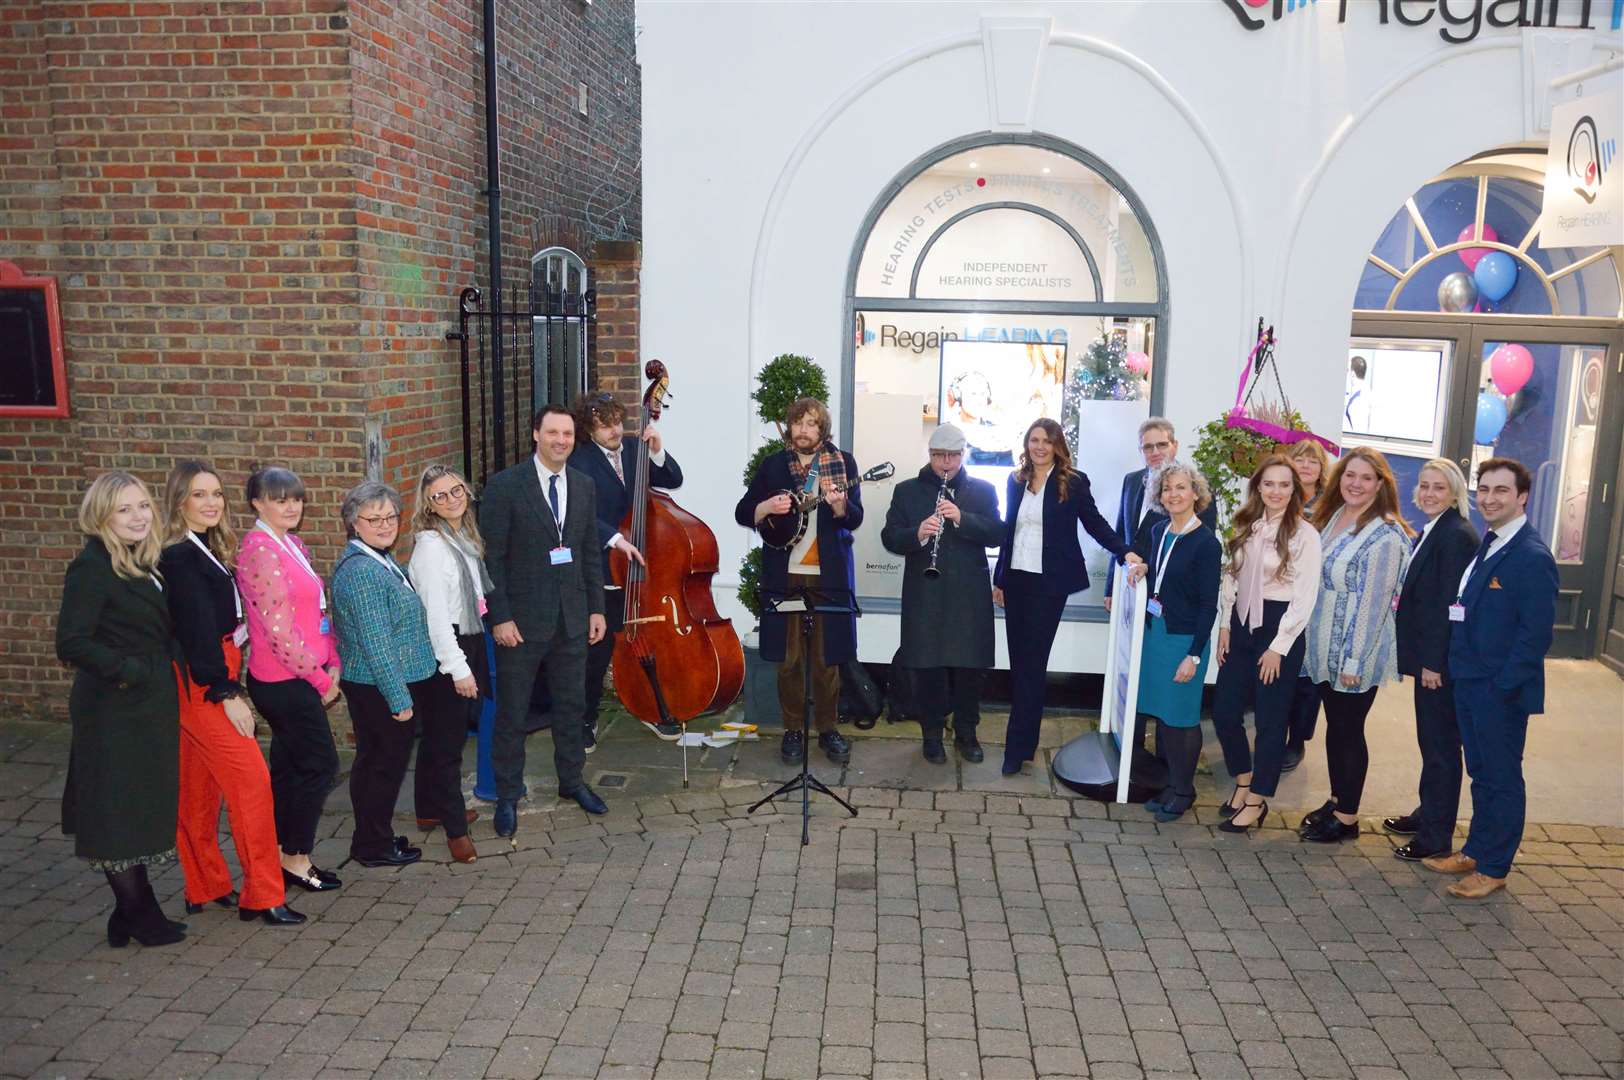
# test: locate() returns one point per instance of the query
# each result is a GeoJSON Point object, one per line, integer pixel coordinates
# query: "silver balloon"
{"type": "Point", "coordinates": [1457, 292]}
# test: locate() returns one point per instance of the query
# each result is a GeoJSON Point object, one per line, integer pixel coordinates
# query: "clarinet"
{"type": "Point", "coordinates": [936, 541]}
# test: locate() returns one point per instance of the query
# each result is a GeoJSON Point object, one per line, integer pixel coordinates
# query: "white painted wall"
{"type": "Point", "coordinates": [1267, 161]}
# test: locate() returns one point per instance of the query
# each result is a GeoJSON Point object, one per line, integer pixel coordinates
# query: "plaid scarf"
{"type": "Point", "coordinates": [829, 462]}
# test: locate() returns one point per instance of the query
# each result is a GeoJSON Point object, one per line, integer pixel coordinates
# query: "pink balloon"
{"type": "Point", "coordinates": [1138, 362]}
{"type": "Point", "coordinates": [1511, 366]}
{"type": "Point", "coordinates": [1470, 256]}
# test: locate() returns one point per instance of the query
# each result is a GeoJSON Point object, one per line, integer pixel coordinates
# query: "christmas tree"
{"type": "Point", "coordinates": [1102, 373]}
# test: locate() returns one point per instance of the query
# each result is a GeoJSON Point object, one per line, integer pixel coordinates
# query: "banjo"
{"type": "Point", "coordinates": [784, 531]}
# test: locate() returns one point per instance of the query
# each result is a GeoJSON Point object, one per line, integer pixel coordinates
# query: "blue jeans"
{"type": "Point", "coordinates": [1493, 732]}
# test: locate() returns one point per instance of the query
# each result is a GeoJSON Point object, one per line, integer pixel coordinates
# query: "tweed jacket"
{"type": "Point", "coordinates": [382, 630]}
{"type": "Point", "coordinates": [1352, 630]}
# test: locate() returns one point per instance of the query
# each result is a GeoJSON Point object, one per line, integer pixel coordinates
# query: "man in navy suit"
{"type": "Point", "coordinates": [603, 453]}
{"type": "Point", "coordinates": [1159, 445]}
{"type": "Point", "coordinates": [1502, 618]}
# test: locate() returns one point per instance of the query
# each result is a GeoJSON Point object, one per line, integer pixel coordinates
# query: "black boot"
{"type": "Point", "coordinates": [136, 912]}
{"type": "Point", "coordinates": [933, 748]}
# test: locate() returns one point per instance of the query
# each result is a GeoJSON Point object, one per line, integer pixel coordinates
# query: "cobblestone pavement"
{"type": "Point", "coordinates": [944, 934]}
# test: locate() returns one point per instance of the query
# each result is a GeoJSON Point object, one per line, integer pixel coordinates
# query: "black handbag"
{"type": "Point", "coordinates": [860, 699]}
{"type": "Point", "coordinates": [902, 692]}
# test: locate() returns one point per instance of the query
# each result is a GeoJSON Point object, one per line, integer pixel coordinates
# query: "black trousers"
{"type": "Point", "coordinates": [1437, 734]}
{"type": "Point", "coordinates": [562, 654]}
{"type": "Point", "coordinates": [1347, 757]}
{"type": "Point", "coordinates": [383, 748]}
{"type": "Point", "coordinates": [599, 656]}
{"type": "Point", "coordinates": [304, 761]}
{"type": "Point", "coordinates": [1305, 707]}
{"type": "Point", "coordinates": [442, 731]}
{"type": "Point", "coordinates": [1238, 686]}
{"type": "Point", "coordinates": [944, 690]}
{"type": "Point", "coordinates": [1031, 620]}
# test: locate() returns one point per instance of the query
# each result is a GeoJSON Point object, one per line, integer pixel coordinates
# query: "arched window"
{"type": "Point", "coordinates": [997, 280]}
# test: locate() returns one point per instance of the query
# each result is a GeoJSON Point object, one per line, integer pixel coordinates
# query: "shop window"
{"type": "Point", "coordinates": [1428, 256]}
{"type": "Point", "coordinates": [999, 282]}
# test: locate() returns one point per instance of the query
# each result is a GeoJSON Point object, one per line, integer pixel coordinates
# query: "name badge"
{"type": "Point", "coordinates": [239, 636]}
{"type": "Point", "coordinates": [1457, 612]}
{"type": "Point", "coordinates": [326, 626]}
{"type": "Point", "coordinates": [1153, 607]}
{"type": "Point", "coordinates": [561, 555]}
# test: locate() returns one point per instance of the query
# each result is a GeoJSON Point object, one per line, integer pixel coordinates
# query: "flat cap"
{"type": "Point", "coordinates": [948, 437]}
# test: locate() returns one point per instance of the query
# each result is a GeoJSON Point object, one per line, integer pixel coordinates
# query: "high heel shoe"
{"type": "Point", "coordinates": [281, 915]}
{"type": "Point", "coordinates": [311, 881]}
{"type": "Point", "coordinates": [1230, 826]}
{"type": "Point", "coordinates": [228, 901]}
{"type": "Point", "coordinates": [1228, 809]}
{"type": "Point", "coordinates": [121, 928]}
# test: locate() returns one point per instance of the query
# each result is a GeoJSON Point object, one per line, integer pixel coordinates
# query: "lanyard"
{"type": "Point", "coordinates": [297, 557]}
{"type": "Point", "coordinates": [1167, 555]}
{"type": "Point", "coordinates": [236, 600]}
{"type": "Point", "coordinates": [404, 580]}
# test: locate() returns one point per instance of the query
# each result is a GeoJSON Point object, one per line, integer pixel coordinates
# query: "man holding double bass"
{"type": "Point", "coordinates": [942, 522]}
{"type": "Point", "coordinates": [821, 558]}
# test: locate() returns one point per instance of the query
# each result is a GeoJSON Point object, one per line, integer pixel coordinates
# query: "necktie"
{"type": "Point", "coordinates": [614, 459]}
{"type": "Point", "coordinates": [1482, 553]}
{"type": "Point", "coordinates": [552, 498]}
{"type": "Point", "coordinates": [1415, 545]}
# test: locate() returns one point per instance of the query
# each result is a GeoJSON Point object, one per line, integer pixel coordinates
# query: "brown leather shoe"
{"type": "Point", "coordinates": [1453, 863]}
{"type": "Point", "coordinates": [1475, 886]}
{"type": "Point", "coordinates": [462, 849]}
{"type": "Point", "coordinates": [434, 822]}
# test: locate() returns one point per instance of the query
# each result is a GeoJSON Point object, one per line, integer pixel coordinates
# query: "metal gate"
{"type": "Point", "coordinates": [528, 351]}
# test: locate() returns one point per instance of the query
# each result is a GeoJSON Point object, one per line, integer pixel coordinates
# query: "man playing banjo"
{"type": "Point", "coordinates": [942, 522]}
{"type": "Point", "coordinates": [823, 478]}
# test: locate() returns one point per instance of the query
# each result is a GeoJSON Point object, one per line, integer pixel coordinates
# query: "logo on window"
{"type": "Point", "coordinates": [1589, 156]}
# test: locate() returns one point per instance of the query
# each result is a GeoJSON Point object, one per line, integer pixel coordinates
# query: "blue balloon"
{"type": "Point", "coordinates": [1491, 417]}
{"type": "Point", "coordinates": [1495, 275]}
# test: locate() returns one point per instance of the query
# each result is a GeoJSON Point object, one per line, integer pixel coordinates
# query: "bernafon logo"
{"type": "Point", "coordinates": [1589, 156]}
{"type": "Point", "coordinates": [1457, 21]}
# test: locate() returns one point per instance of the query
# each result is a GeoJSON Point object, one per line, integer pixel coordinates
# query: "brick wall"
{"type": "Point", "coordinates": [260, 215]}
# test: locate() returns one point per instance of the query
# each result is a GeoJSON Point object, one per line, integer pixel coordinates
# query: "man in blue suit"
{"type": "Point", "coordinates": [603, 453]}
{"type": "Point", "coordinates": [1503, 615]}
{"type": "Point", "coordinates": [1159, 445]}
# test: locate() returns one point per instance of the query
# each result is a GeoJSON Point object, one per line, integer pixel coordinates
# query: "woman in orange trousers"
{"type": "Point", "coordinates": [219, 756]}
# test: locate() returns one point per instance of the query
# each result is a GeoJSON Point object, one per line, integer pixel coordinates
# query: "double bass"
{"type": "Point", "coordinates": [676, 657]}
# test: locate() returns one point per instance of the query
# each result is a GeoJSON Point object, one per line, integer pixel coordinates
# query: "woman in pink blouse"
{"type": "Point", "coordinates": [1265, 598]}
{"type": "Point", "coordinates": [292, 667]}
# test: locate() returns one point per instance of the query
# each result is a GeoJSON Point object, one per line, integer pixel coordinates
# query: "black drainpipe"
{"type": "Point", "coordinates": [493, 195]}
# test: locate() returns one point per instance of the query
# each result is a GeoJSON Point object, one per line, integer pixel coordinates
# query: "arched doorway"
{"type": "Point", "coordinates": [1457, 278]}
{"type": "Point", "coordinates": [998, 279]}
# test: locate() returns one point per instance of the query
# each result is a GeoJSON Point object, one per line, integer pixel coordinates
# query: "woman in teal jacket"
{"type": "Point", "coordinates": [388, 661]}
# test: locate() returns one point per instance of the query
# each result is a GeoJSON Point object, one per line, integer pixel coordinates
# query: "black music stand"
{"type": "Point", "coordinates": [809, 601]}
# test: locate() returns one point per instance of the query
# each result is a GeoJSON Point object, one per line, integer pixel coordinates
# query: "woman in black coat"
{"type": "Point", "coordinates": [122, 793]}
{"type": "Point", "coordinates": [1040, 564]}
{"type": "Point", "coordinates": [1445, 548]}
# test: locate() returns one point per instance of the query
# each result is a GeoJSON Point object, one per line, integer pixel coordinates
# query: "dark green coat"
{"type": "Point", "coordinates": [946, 622]}
{"type": "Point", "coordinates": [124, 771]}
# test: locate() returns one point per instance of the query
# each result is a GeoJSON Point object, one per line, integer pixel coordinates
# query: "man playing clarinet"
{"type": "Point", "coordinates": [942, 522]}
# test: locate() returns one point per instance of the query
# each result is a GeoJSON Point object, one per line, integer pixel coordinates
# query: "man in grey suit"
{"type": "Point", "coordinates": [546, 605]}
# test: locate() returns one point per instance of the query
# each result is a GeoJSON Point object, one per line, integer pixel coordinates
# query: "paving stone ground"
{"type": "Point", "coordinates": [941, 933]}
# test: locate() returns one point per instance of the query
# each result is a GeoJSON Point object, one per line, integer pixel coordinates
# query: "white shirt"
{"type": "Point", "coordinates": [1426, 531]}
{"type": "Point", "coordinates": [617, 464]}
{"type": "Point", "coordinates": [1026, 552]}
{"type": "Point", "coordinates": [545, 475]}
{"type": "Point", "coordinates": [433, 569]}
{"type": "Point", "coordinates": [1502, 537]}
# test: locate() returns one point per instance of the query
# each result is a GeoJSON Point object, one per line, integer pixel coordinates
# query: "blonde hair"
{"type": "Point", "coordinates": [1311, 448]}
{"type": "Point", "coordinates": [96, 520]}
{"type": "Point", "coordinates": [1198, 483]}
{"type": "Point", "coordinates": [424, 519]}
{"type": "Point", "coordinates": [1453, 477]}
{"type": "Point", "coordinates": [221, 538]}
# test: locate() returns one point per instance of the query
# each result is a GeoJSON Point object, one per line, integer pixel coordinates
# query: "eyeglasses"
{"type": "Point", "coordinates": [380, 521]}
{"type": "Point", "coordinates": [1155, 447]}
{"type": "Point", "coordinates": [453, 494]}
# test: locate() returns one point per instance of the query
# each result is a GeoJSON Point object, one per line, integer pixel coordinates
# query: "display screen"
{"type": "Point", "coordinates": [1392, 393]}
{"type": "Point", "coordinates": [994, 390]}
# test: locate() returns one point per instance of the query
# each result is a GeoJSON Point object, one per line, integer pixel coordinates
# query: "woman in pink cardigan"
{"type": "Point", "coordinates": [293, 667]}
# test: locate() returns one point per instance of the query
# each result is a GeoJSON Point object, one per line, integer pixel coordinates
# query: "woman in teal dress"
{"type": "Point", "coordinates": [1180, 571]}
